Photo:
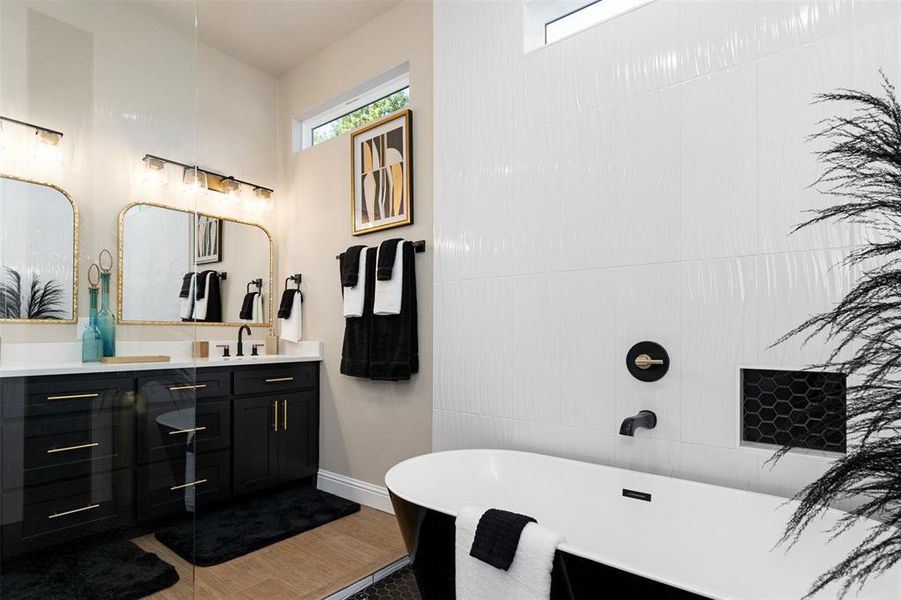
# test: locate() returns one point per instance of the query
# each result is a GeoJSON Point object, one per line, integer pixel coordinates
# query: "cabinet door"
{"type": "Point", "coordinates": [255, 443]}
{"type": "Point", "coordinates": [295, 439]}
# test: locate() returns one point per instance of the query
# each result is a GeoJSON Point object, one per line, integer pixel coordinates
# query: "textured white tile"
{"type": "Point", "coordinates": [647, 455]}
{"type": "Point", "coordinates": [785, 24]}
{"type": "Point", "coordinates": [588, 445]}
{"type": "Point", "coordinates": [733, 468]}
{"type": "Point", "coordinates": [718, 34]}
{"type": "Point", "coordinates": [868, 12]}
{"type": "Point", "coordinates": [587, 350]}
{"type": "Point", "coordinates": [788, 85]}
{"type": "Point", "coordinates": [875, 48]}
{"type": "Point", "coordinates": [719, 164]}
{"type": "Point", "coordinates": [658, 59]}
{"type": "Point", "coordinates": [647, 309]}
{"type": "Point", "coordinates": [719, 325]}
{"type": "Point", "coordinates": [789, 475]}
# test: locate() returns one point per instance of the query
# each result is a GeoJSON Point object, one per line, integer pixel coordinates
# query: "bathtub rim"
{"type": "Point", "coordinates": [604, 560]}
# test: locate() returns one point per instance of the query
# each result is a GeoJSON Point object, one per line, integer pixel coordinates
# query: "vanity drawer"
{"type": "Point", "coordinates": [83, 503]}
{"type": "Point", "coordinates": [64, 395]}
{"type": "Point", "coordinates": [165, 431]}
{"type": "Point", "coordinates": [276, 378]}
{"type": "Point", "coordinates": [175, 486]}
{"type": "Point", "coordinates": [179, 385]}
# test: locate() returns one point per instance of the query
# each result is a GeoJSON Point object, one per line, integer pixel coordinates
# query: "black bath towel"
{"type": "Point", "coordinates": [185, 285]}
{"type": "Point", "coordinates": [350, 265]}
{"type": "Point", "coordinates": [387, 253]}
{"type": "Point", "coordinates": [247, 306]}
{"type": "Point", "coordinates": [497, 537]}
{"type": "Point", "coordinates": [287, 303]}
{"type": "Point", "coordinates": [214, 302]}
{"type": "Point", "coordinates": [394, 342]}
{"type": "Point", "coordinates": [357, 330]}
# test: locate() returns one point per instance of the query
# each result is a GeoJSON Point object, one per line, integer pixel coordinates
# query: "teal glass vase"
{"type": "Point", "coordinates": [106, 321]}
{"type": "Point", "coordinates": [91, 340]}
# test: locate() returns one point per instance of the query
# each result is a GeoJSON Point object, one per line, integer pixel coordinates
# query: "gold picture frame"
{"type": "Point", "coordinates": [381, 160]}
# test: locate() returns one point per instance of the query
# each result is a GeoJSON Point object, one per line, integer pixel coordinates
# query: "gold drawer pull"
{"type": "Point", "coordinates": [187, 485]}
{"type": "Point", "coordinates": [279, 379]}
{"type": "Point", "coordinates": [284, 415]}
{"type": "Point", "coordinates": [176, 388]}
{"type": "Point", "coordinates": [72, 396]}
{"type": "Point", "coordinates": [68, 448]}
{"type": "Point", "coordinates": [192, 430]}
{"type": "Point", "coordinates": [275, 417]}
{"type": "Point", "coordinates": [73, 511]}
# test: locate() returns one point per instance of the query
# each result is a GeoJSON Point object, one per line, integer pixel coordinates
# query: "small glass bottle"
{"type": "Point", "coordinates": [106, 321]}
{"type": "Point", "coordinates": [91, 341]}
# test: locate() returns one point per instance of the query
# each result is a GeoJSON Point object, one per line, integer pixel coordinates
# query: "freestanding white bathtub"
{"type": "Point", "coordinates": [688, 539]}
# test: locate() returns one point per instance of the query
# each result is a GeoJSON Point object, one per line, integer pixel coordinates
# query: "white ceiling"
{"type": "Point", "coordinates": [273, 35]}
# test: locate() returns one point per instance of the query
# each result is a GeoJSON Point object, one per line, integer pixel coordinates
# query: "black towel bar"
{"type": "Point", "coordinates": [296, 278]}
{"type": "Point", "coordinates": [418, 247]}
{"type": "Point", "coordinates": [255, 282]}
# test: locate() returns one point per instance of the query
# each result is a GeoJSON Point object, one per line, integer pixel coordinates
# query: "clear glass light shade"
{"type": "Point", "coordinates": [261, 200]}
{"type": "Point", "coordinates": [47, 148]}
{"type": "Point", "coordinates": [194, 181]}
{"type": "Point", "coordinates": [154, 171]}
{"type": "Point", "coordinates": [232, 191]}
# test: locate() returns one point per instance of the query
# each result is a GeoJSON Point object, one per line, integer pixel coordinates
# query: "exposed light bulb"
{"type": "Point", "coordinates": [194, 181]}
{"type": "Point", "coordinates": [262, 199]}
{"type": "Point", "coordinates": [47, 147]}
{"type": "Point", "coordinates": [155, 171]}
{"type": "Point", "coordinates": [231, 191]}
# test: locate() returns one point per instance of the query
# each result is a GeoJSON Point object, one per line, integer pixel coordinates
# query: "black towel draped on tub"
{"type": "Point", "coordinates": [384, 347]}
{"type": "Point", "coordinates": [497, 537]}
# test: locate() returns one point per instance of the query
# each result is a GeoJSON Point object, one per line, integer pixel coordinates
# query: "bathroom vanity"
{"type": "Point", "coordinates": [89, 450]}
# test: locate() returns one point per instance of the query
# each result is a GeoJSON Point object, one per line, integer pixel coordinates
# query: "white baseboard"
{"type": "Point", "coordinates": [374, 496]}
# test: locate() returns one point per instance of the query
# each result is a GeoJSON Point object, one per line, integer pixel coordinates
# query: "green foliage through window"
{"type": "Point", "coordinates": [362, 116]}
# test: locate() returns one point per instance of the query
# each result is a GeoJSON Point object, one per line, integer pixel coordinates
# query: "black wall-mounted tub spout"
{"type": "Point", "coordinates": [644, 418]}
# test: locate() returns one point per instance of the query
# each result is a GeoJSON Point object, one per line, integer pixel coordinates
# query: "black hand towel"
{"type": "Point", "coordinates": [350, 265]}
{"type": "Point", "coordinates": [247, 306]}
{"type": "Point", "coordinates": [214, 302]}
{"type": "Point", "coordinates": [287, 303]}
{"type": "Point", "coordinates": [394, 339]}
{"type": "Point", "coordinates": [357, 330]}
{"type": "Point", "coordinates": [185, 285]}
{"type": "Point", "coordinates": [387, 252]}
{"type": "Point", "coordinates": [497, 537]}
{"type": "Point", "coordinates": [200, 286]}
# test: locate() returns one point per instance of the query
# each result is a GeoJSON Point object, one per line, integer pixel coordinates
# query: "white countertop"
{"type": "Point", "coordinates": [303, 352]}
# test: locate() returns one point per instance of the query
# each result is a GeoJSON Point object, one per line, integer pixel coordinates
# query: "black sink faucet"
{"type": "Point", "coordinates": [240, 351]}
{"type": "Point", "coordinates": [644, 418]}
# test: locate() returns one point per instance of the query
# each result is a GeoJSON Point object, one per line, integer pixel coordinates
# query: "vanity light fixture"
{"type": "Point", "coordinates": [195, 179]}
{"type": "Point", "coordinates": [47, 141]}
{"type": "Point", "coordinates": [156, 171]}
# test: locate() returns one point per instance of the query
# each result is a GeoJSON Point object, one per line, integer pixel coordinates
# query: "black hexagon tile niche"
{"type": "Point", "coordinates": [802, 409]}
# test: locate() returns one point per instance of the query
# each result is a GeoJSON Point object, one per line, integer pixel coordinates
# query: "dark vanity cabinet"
{"type": "Point", "coordinates": [85, 453]}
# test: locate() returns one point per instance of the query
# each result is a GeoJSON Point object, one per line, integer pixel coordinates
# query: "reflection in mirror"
{"type": "Point", "coordinates": [180, 267]}
{"type": "Point", "coordinates": [38, 245]}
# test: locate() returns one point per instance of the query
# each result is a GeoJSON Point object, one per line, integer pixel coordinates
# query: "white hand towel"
{"type": "Point", "coordinates": [388, 293]}
{"type": "Point", "coordinates": [258, 308]}
{"type": "Point", "coordinates": [186, 305]}
{"type": "Point", "coordinates": [529, 577]}
{"type": "Point", "coordinates": [292, 327]}
{"type": "Point", "coordinates": [355, 296]}
{"type": "Point", "coordinates": [200, 304]}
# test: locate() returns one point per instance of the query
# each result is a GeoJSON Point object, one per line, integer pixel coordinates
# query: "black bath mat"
{"type": "Point", "coordinates": [252, 523]}
{"type": "Point", "coordinates": [89, 570]}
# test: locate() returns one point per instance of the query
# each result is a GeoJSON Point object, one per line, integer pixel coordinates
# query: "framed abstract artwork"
{"type": "Point", "coordinates": [381, 184]}
{"type": "Point", "coordinates": [207, 240]}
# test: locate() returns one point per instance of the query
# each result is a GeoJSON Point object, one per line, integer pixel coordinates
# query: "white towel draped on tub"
{"type": "Point", "coordinates": [388, 292]}
{"type": "Point", "coordinates": [354, 296]}
{"type": "Point", "coordinates": [292, 327]}
{"type": "Point", "coordinates": [529, 577]}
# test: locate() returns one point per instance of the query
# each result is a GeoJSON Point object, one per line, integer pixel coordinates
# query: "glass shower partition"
{"type": "Point", "coordinates": [97, 376]}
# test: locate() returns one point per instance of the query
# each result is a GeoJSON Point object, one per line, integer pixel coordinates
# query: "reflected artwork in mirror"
{"type": "Point", "coordinates": [174, 268]}
{"type": "Point", "coordinates": [38, 269]}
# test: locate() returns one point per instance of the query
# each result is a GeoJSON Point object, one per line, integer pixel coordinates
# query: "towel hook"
{"type": "Point", "coordinates": [296, 278]}
{"type": "Point", "coordinates": [255, 282]}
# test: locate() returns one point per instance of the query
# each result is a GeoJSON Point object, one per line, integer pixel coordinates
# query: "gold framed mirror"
{"type": "Point", "coordinates": [181, 267]}
{"type": "Point", "coordinates": [39, 253]}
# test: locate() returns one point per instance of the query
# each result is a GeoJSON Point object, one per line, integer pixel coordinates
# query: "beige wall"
{"type": "Point", "coordinates": [366, 427]}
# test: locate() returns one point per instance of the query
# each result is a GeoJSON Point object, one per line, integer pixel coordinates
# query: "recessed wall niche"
{"type": "Point", "coordinates": [803, 409]}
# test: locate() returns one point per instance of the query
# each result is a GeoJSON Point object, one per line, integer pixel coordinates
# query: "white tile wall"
{"type": "Point", "coordinates": [636, 181]}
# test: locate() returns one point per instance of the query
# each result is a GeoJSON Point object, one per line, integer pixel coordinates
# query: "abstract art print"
{"type": "Point", "coordinates": [381, 175]}
{"type": "Point", "coordinates": [207, 240]}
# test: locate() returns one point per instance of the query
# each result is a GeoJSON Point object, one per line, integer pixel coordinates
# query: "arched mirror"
{"type": "Point", "coordinates": [38, 250]}
{"type": "Point", "coordinates": [181, 267]}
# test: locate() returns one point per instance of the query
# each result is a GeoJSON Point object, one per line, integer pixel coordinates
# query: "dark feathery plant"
{"type": "Point", "coordinates": [43, 302]}
{"type": "Point", "coordinates": [862, 160]}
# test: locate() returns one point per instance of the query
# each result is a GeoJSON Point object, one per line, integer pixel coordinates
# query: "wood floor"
{"type": "Point", "coordinates": [308, 566]}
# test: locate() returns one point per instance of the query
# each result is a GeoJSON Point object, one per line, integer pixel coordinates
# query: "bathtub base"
{"type": "Point", "coordinates": [429, 537]}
